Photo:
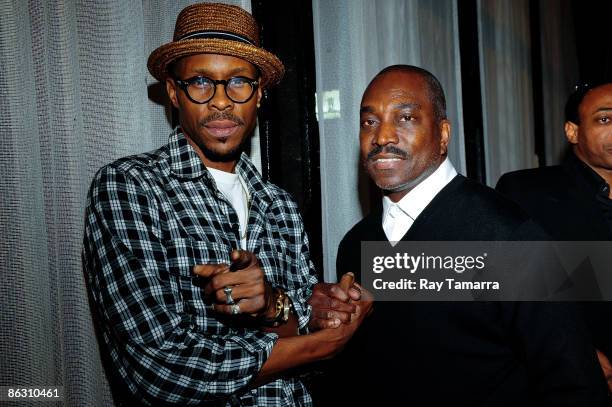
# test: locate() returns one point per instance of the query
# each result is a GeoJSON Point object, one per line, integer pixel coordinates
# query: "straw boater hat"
{"type": "Point", "coordinates": [212, 28]}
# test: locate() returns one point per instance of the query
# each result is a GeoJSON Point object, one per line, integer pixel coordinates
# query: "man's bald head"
{"type": "Point", "coordinates": [434, 88]}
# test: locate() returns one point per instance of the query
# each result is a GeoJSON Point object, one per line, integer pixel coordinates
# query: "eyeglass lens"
{"type": "Point", "coordinates": [202, 89]}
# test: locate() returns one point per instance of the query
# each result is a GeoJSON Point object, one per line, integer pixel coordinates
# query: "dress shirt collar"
{"type": "Point", "coordinates": [415, 201]}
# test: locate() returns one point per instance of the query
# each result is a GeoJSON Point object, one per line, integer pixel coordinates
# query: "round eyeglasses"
{"type": "Point", "coordinates": [201, 89]}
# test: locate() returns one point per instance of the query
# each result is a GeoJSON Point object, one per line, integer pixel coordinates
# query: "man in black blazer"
{"type": "Point", "coordinates": [572, 201]}
{"type": "Point", "coordinates": [445, 353]}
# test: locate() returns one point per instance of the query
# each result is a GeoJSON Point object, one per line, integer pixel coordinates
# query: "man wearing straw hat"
{"type": "Point", "coordinates": [198, 269]}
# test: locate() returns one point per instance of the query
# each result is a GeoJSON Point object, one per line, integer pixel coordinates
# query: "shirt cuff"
{"type": "Point", "coordinates": [258, 345]}
{"type": "Point", "coordinates": [302, 309]}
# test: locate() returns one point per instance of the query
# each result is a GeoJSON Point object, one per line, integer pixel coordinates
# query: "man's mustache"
{"type": "Point", "coordinates": [387, 150]}
{"type": "Point", "coordinates": [222, 116]}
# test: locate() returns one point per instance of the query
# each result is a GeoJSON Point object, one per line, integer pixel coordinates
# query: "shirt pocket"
{"type": "Point", "coordinates": [183, 254]}
{"type": "Point", "coordinates": [277, 260]}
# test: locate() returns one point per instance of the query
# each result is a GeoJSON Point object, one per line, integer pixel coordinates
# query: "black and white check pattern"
{"type": "Point", "coordinates": [149, 219]}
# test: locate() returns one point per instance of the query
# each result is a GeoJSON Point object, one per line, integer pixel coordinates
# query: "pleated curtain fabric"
{"type": "Point", "coordinates": [507, 87]}
{"type": "Point", "coordinates": [74, 95]}
{"type": "Point", "coordinates": [507, 72]}
{"type": "Point", "coordinates": [559, 72]}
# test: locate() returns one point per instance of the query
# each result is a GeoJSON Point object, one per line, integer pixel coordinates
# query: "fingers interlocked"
{"type": "Point", "coordinates": [331, 303]}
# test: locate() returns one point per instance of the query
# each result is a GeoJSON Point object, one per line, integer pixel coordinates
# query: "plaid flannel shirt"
{"type": "Point", "coordinates": [150, 218]}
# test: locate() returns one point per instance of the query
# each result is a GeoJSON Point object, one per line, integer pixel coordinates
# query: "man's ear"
{"type": "Point", "coordinates": [445, 135]}
{"type": "Point", "coordinates": [571, 132]}
{"type": "Point", "coordinates": [171, 89]}
{"type": "Point", "coordinates": [259, 95]}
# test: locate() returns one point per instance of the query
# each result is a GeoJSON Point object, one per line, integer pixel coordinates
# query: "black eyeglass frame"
{"type": "Point", "coordinates": [184, 84]}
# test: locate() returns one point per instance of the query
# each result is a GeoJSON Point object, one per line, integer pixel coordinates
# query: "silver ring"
{"type": "Point", "coordinates": [228, 293]}
{"type": "Point", "coordinates": [235, 309]}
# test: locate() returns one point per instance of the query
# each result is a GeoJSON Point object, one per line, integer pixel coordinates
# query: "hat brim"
{"type": "Point", "coordinates": [270, 67]}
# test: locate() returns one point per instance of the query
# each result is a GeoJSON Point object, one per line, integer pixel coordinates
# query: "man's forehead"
{"type": "Point", "coordinates": [599, 98]}
{"type": "Point", "coordinates": [398, 93]}
{"type": "Point", "coordinates": [391, 104]}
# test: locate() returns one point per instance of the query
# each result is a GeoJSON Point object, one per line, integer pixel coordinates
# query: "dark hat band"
{"type": "Point", "coordinates": [220, 35]}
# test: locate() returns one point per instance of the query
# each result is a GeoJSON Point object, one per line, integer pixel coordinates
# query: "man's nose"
{"type": "Point", "coordinates": [387, 134]}
{"type": "Point", "coordinates": [220, 101]}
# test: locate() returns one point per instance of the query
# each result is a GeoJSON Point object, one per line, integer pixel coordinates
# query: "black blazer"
{"type": "Point", "coordinates": [563, 200]}
{"type": "Point", "coordinates": [464, 354]}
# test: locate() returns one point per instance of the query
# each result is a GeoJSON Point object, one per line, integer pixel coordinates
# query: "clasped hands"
{"type": "Point", "coordinates": [335, 304]}
{"type": "Point", "coordinates": [250, 293]}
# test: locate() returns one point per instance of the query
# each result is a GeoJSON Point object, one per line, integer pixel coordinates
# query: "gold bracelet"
{"type": "Point", "coordinates": [282, 305]}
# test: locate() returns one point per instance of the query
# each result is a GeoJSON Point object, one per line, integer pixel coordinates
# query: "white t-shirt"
{"type": "Point", "coordinates": [232, 187]}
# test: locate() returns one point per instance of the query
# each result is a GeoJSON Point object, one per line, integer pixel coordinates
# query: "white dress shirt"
{"type": "Point", "coordinates": [398, 217]}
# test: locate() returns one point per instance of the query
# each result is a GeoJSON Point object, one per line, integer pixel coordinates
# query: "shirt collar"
{"type": "Point", "coordinates": [185, 163]}
{"type": "Point", "coordinates": [417, 199]}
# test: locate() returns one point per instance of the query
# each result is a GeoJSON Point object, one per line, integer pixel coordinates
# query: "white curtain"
{"type": "Point", "coordinates": [354, 40]}
{"type": "Point", "coordinates": [506, 80]}
{"type": "Point", "coordinates": [559, 72]}
{"type": "Point", "coordinates": [74, 95]}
